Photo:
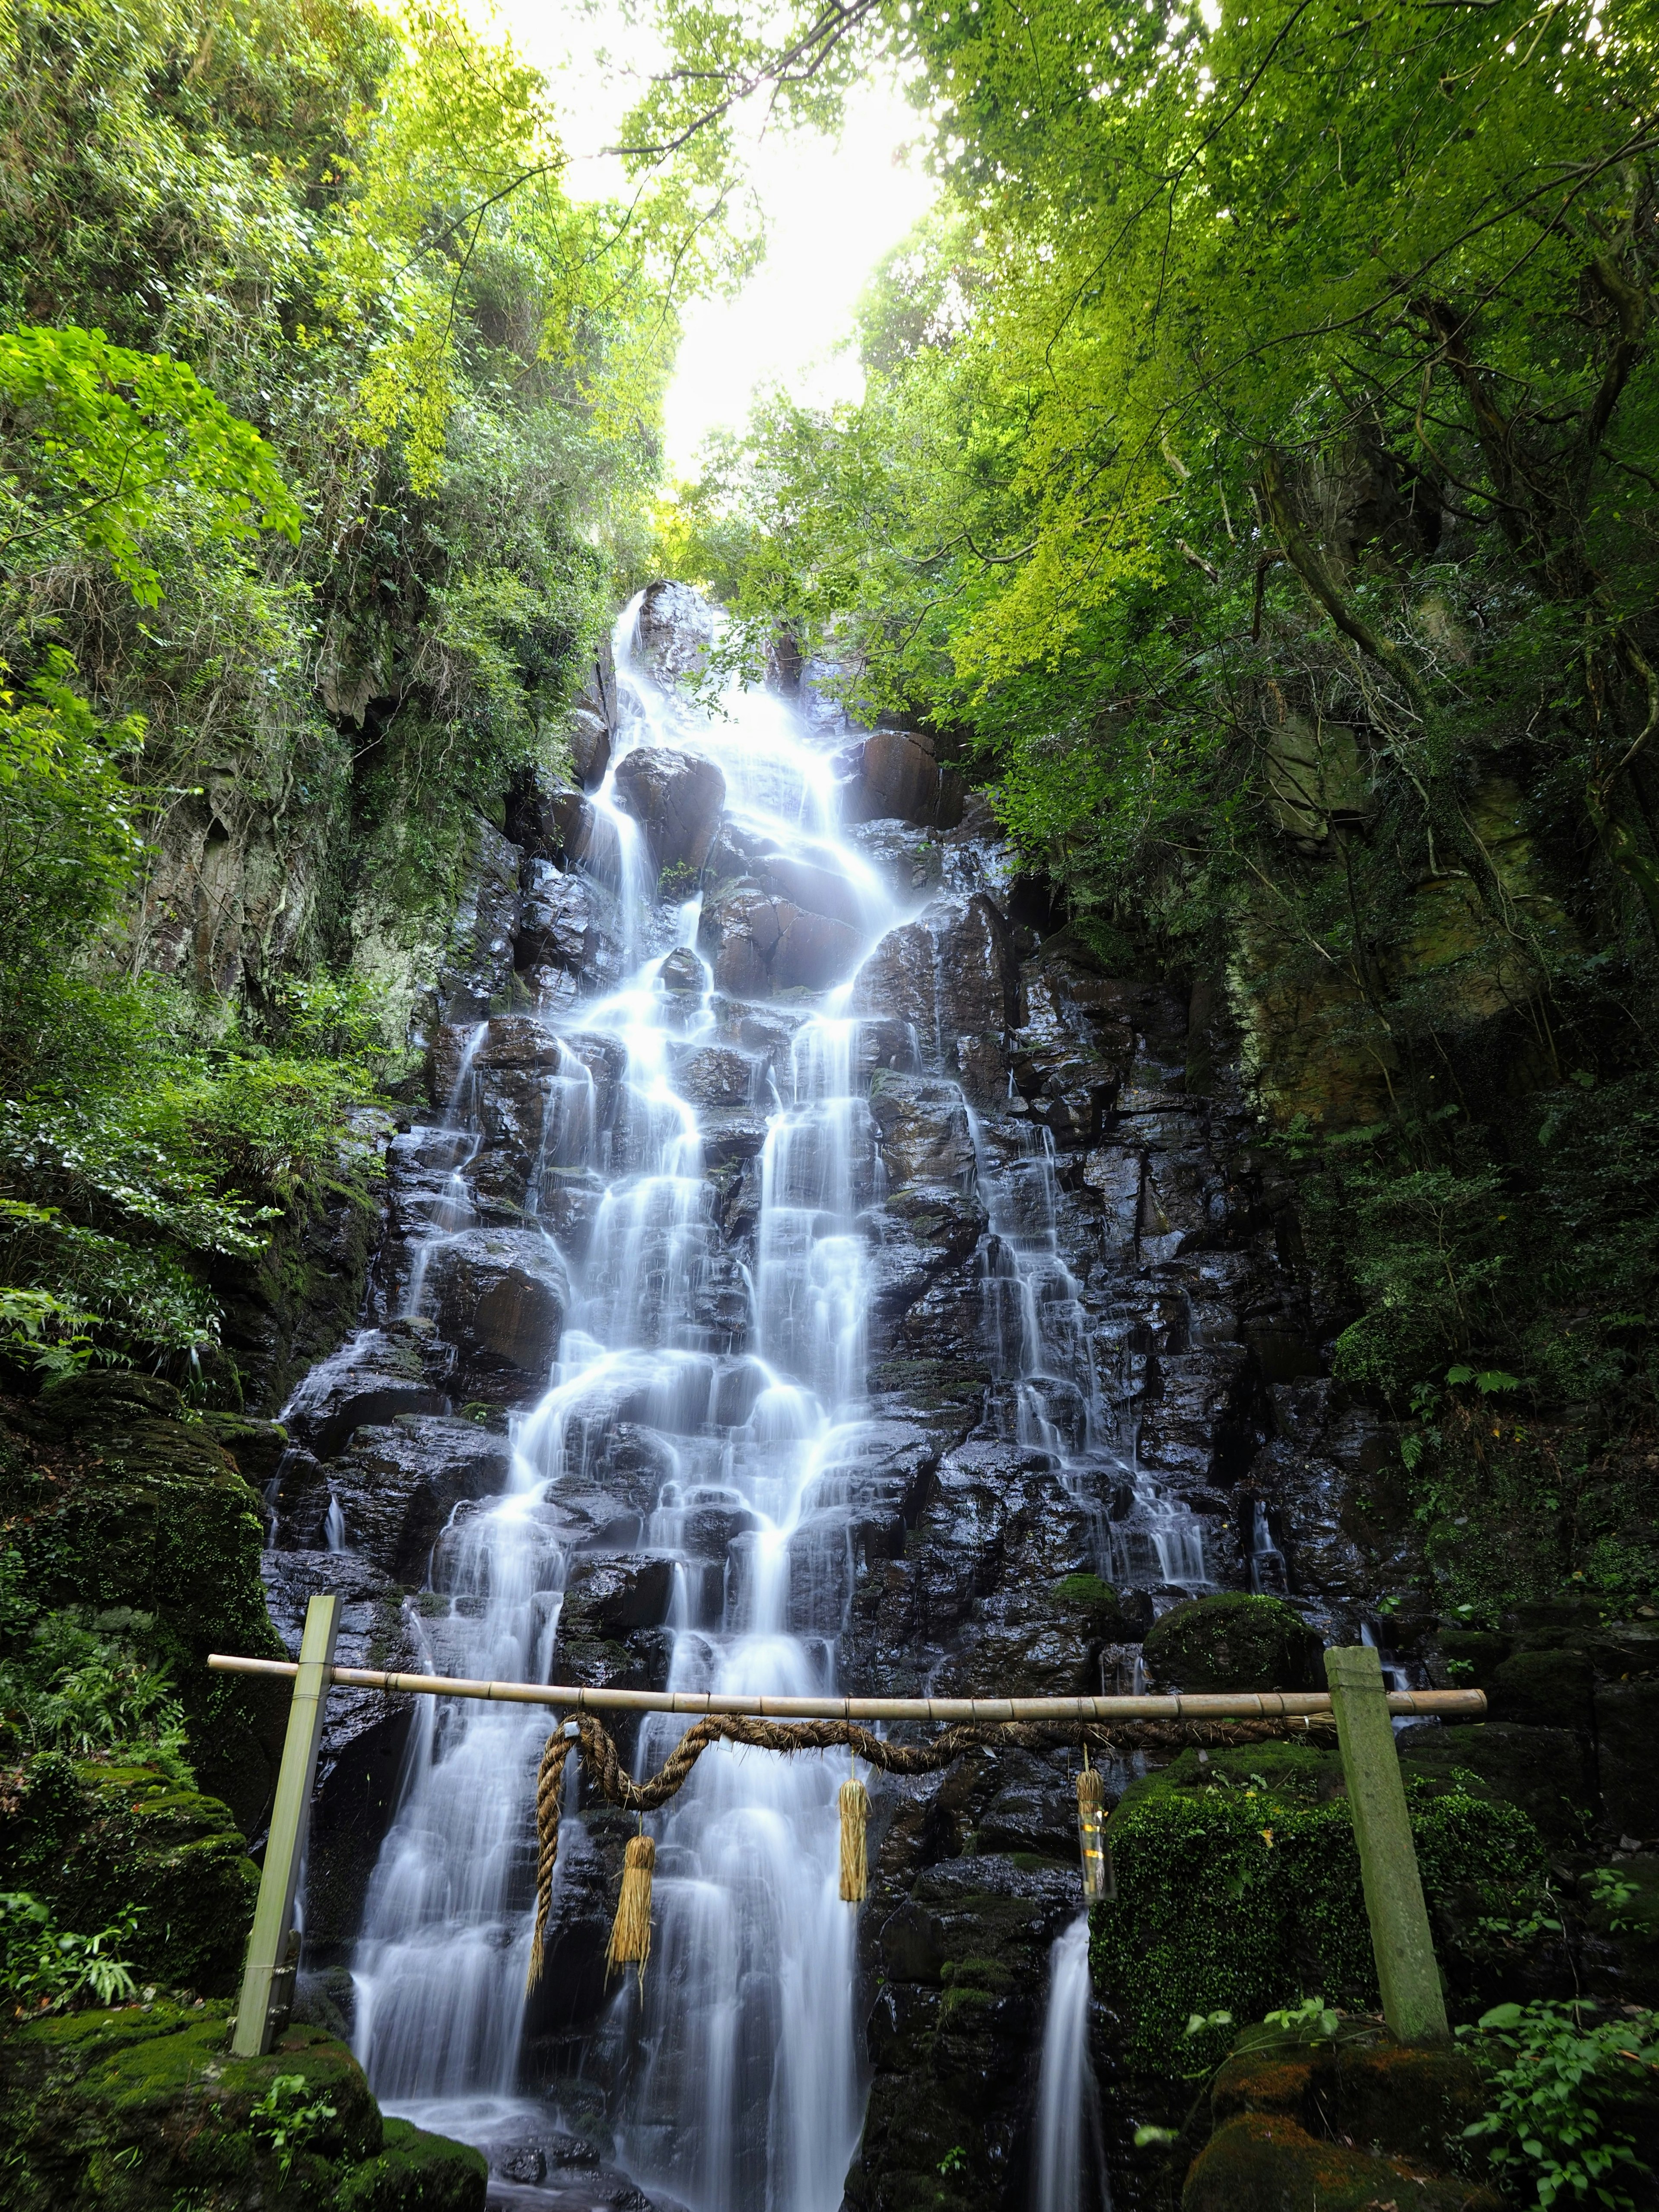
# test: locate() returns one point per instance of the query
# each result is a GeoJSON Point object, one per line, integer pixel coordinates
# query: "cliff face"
{"type": "Point", "coordinates": [1099, 1361]}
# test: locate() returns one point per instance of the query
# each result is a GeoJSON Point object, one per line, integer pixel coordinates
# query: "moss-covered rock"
{"type": "Point", "coordinates": [1545, 1771]}
{"type": "Point", "coordinates": [118, 1501]}
{"type": "Point", "coordinates": [1542, 1689]}
{"type": "Point", "coordinates": [1353, 2122]}
{"type": "Point", "coordinates": [1263, 2162]}
{"type": "Point", "coordinates": [1235, 1641]}
{"type": "Point", "coordinates": [89, 1837]}
{"type": "Point", "coordinates": [139, 2110]}
{"type": "Point", "coordinates": [1238, 1890]}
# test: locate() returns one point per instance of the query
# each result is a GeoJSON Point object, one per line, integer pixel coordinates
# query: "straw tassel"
{"type": "Point", "coordinates": [1099, 1879]}
{"type": "Point", "coordinates": [630, 1932]}
{"type": "Point", "coordinates": [854, 1817]}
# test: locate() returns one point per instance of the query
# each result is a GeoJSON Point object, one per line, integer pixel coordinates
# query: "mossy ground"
{"type": "Point", "coordinates": [142, 2110]}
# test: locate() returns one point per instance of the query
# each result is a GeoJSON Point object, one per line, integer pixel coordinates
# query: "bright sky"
{"type": "Point", "coordinates": [832, 209]}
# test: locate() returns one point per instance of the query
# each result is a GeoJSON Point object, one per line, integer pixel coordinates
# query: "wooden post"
{"type": "Point", "coordinates": [1411, 2003]}
{"type": "Point", "coordinates": [267, 1949]}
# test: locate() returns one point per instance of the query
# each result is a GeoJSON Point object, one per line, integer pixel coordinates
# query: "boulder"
{"type": "Point", "coordinates": [501, 1296]}
{"type": "Point", "coordinates": [374, 1376]}
{"type": "Point", "coordinates": [549, 819]}
{"type": "Point", "coordinates": [758, 943]}
{"type": "Point", "coordinates": [711, 1076]}
{"type": "Point", "coordinates": [91, 1837]}
{"type": "Point", "coordinates": [922, 1126]}
{"type": "Point", "coordinates": [952, 974]}
{"type": "Point", "coordinates": [153, 2098]}
{"type": "Point", "coordinates": [897, 774]}
{"type": "Point", "coordinates": [677, 799]}
{"type": "Point", "coordinates": [567, 923]}
{"type": "Point", "coordinates": [1627, 1730]}
{"type": "Point", "coordinates": [1235, 1643]}
{"type": "Point", "coordinates": [588, 736]}
{"type": "Point", "coordinates": [1262, 2161]}
{"type": "Point", "coordinates": [397, 1485]}
{"type": "Point", "coordinates": [674, 630]}
{"type": "Point", "coordinates": [907, 858]}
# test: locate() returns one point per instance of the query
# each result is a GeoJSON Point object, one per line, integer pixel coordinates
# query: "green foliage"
{"type": "Point", "coordinates": [1253, 484]}
{"type": "Point", "coordinates": [46, 1968]}
{"type": "Point", "coordinates": [84, 1682]}
{"type": "Point", "coordinates": [1236, 1889]}
{"type": "Point", "coordinates": [109, 432]}
{"type": "Point", "coordinates": [289, 2122]}
{"type": "Point", "coordinates": [328, 426]}
{"type": "Point", "coordinates": [1554, 2132]}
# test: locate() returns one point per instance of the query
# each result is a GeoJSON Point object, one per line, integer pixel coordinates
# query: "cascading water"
{"type": "Point", "coordinates": [738, 2085]}
{"type": "Point", "coordinates": [1068, 2164]}
{"type": "Point", "coordinates": [1044, 1359]}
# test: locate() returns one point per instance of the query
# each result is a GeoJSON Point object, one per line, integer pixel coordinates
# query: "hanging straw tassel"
{"type": "Point", "coordinates": [855, 1816]}
{"type": "Point", "coordinates": [1099, 1879]}
{"type": "Point", "coordinates": [630, 1932]}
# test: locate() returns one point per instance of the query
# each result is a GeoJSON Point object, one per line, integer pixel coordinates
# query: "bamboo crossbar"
{"type": "Point", "coordinates": [1233, 1706]}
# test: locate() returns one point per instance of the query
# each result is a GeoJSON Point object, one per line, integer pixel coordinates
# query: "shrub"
{"type": "Point", "coordinates": [1238, 1890]}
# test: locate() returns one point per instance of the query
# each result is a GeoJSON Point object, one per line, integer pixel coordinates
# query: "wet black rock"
{"type": "Point", "coordinates": [676, 798]}
{"type": "Point", "coordinates": [500, 1294]}
{"type": "Point", "coordinates": [953, 2030]}
{"type": "Point", "coordinates": [897, 775]}
{"type": "Point", "coordinates": [568, 923]}
{"type": "Point", "coordinates": [478, 959]}
{"type": "Point", "coordinates": [922, 1127]}
{"type": "Point", "coordinates": [757, 941]}
{"type": "Point", "coordinates": [375, 1376]}
{"type": "Point", "coordinates": [909, 860]}
{"type": "Point", "coordinates": [398, 1486]}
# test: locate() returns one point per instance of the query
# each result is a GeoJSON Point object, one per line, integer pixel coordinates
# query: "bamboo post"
{"type": "Point", "coordinates": [273, 1916]}
{"type": "Point", "coordinates": [1410, 1981]}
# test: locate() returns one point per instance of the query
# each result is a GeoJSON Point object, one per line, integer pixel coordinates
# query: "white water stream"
{"type": "Point", "coordinates": [1068, 2167]}
{"type": "Point", "coordinates": [739, 2086]}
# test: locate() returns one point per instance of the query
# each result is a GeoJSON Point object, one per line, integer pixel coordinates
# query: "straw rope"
{"type": "Point", "coordinates": [606, 1773]}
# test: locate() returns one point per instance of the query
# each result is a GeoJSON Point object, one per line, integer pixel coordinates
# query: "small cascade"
{"type": "Point", "coordinates": [1269, 1577]}
{"type": "Point", "coordinates": [1068, 2161]}
{"type": "Point", "coordinates": [452, 1148]}
{"type": "Point", "coordinates": [334, 1526]}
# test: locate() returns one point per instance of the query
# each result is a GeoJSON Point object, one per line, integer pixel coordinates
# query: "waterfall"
{"type": "Point", "coordinates": [734, 2080]}
{"type": "Point", "coordinates": [1042, 1356]}
{"type": "Point", "coordinates": [1068, 2167]}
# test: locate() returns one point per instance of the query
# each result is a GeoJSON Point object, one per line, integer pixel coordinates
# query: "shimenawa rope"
{"type": "Point", "coordinates": [587, 1737]}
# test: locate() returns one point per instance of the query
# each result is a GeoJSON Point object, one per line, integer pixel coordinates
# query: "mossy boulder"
{"type": "Point", "coordinates": [1103, 1615]}
{"type": "Point", "coordinates": [139, 2110]}
{"type": "Point", "coordinates": [1235, 1641]}
{"type": "Point", "coordinates": [1238, 1890]}
{"type": "Point", "coordinates": [90, 1836]}
{"type": "Point", "coordinates": [1542, 1689]}
{"type": "Point", "coordinates": [118, 1501]}
{"type": "Point", "coordinates": [1264, 2162]}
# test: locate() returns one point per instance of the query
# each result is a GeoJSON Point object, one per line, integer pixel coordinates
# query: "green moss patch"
{"type": "Point", "coordinates": [90, 1837]}
{"type": "Point", "coordinates": [140, 2111]}
{"type": "Point", "coordinates": [1235, 1643]}
{"type": "Point", "coordinates": [1238, 1890]}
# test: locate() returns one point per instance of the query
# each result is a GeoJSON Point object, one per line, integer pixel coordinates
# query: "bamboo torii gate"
{"type": "Point", "coordinates": [1356, 1700]}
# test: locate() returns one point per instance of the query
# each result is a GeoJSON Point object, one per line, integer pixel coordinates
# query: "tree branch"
{"type": "Point", "coordinates": [1310, 564]}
